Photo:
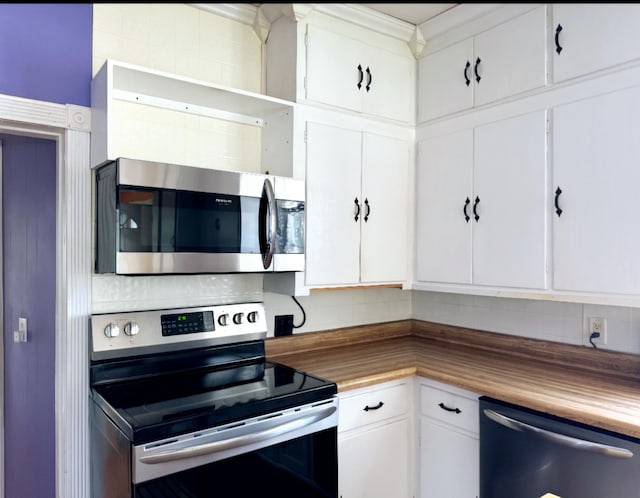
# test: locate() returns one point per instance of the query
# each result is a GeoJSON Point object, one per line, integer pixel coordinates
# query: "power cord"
{"type": "Point", "coordinates": [594, 335]}
{"type": "Point", "coordinates": [304, 315]}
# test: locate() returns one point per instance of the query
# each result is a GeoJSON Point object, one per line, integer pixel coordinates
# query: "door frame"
{"type": "Point", "coordinates": [69, 126]}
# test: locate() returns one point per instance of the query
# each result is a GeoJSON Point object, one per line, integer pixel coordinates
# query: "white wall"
{"type": "Point", "coordinates": [552, 321]}
{"type": "Point", "coordinates": [187, 41]}
{"type": "Point", "coordinates": [340, 308]}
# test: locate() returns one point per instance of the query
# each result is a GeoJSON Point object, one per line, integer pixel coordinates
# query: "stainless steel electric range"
{"type": "Point", "coordinates": [185, 404]}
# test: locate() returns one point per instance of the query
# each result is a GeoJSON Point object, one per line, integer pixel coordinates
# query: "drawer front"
{"type": "Point", "coordinates": [372, 406]}
{"type": "Point", "coordinates": [450, 408]}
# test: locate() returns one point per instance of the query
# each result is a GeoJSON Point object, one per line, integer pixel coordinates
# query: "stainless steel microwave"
{"type": "Point", "coordinates": [158, 218]}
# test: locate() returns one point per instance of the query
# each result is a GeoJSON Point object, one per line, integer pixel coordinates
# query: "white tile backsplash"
{"type": "Point", "coordinates": [340, 308]}
{"type": "Point", "coordinates": [187, 41]}
{"type": "Point", "coordinates": [546, 320]}
{"type": "Point", "coordinates": [115, 293]}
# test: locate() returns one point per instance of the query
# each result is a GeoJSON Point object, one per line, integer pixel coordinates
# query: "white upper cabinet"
{"type": "Point", "coordinates": [353, 75]}
{"type": "Point", "coordinates": [384, 226]}
{"type": "Point", "coordinates": [444, 208]}
{"type": "Point", "coordinates": [333, 200]}
{"type": "Point", "coordinates": [587, 38]}
{"type": "Point", "coordinates": [357, 207]}
{"type": "Point", "coordinates": [444, 81]}
{"type": "Point", "coordinates": [481, 215]}
{"type": "Point", "coordinates": [596, 153]}
{"type": "Point", "coordinates": [500, 62]}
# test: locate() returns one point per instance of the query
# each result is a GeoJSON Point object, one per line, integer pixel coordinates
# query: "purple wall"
{"type": "Point", "coordinates": [45, 52]}
{"type": "Point", "coordinates": [29, 264]}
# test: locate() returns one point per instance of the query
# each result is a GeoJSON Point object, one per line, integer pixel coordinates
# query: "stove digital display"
{"type": "Point", "coordinates": [187, 323]}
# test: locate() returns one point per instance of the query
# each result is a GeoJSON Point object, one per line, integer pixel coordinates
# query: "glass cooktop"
{"type": "Point", "coordinates": [162, 406]}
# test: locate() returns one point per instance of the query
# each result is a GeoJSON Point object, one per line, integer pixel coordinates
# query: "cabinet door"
{"type": "Point", "coordinates": [596, 153]}
{"type": "Point", "coordinates": [391, 85]}
{"type": "Point", "coordinates": [352, 75]}
{"type": "Point", "coordinates": [333, 76]}
{"type": "Point", "coordinates": [512, 57]}
{"type": "Point", "coordinates": [443, 233]}
{"type": "Point", "coordinates": [383, 247]}
{"type": "Point", "coordinates": [445, 81]}
{"type": "Point", "coordinates": [333, 185]}
{"type": "Point", "coordinates": [449, 462]}
{"type": "Point", "coordinates": [374, 463]}
{"type": "Point", "coordinates": [510, 174]}
{"type": "Point", "coordinates": [593, 37]}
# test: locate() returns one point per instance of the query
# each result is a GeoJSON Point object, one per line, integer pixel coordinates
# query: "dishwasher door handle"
{"type": "Point", "coordinates": [554, 437]}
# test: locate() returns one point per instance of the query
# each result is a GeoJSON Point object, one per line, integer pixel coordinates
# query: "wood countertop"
{"type": "Point", "coordinates": [596, 387]}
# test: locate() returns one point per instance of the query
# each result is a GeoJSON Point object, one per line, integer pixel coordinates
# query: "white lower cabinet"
{"type": "Point", "coordinates": [449, 449]}
{"type": "Point", "coordinates": [388, 449]}
{"type": "Point", "coordinates": [374, 442]}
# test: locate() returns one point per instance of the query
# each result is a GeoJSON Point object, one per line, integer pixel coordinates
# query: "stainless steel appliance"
{"type": "Point", "coordinates": [184, 404]}
{"type": "Point", "coordinates": [158, 218]}
{"type": "Point", "coordinates": [528, 454]}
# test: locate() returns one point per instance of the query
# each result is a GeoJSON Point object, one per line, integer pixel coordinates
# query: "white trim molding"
{"type": "Point", "coordinates": [351, 12]}
{"type": "Point", "coordinates": [241, 12]}
{"type": "Point", "coordinates": [49, 114]}
{"type": "Point", "coordinates": [69, 126]}
{"type": "Point", "coordinates": [73, 297]}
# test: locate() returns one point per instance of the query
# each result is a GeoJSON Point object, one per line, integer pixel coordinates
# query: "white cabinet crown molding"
{"type": "Point", "coordinates": [369, 19]}
{"type": "Point", "coordinates": [245, 13]}
{"type": "Point", "coordinates": [241, 12]}
{"type": "Point", "coordinates": [295, 11]}
{"type": "Point", "coordinates": [354, 13]}
{"type": "Point", "coordinates": [467, 20]}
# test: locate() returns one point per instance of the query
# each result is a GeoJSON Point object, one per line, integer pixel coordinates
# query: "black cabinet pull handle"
{"type": "Point", "coordinates": [377, 407]}
{"type": "Point", "coordinates": [369, 79]}
{"type": "Point", "coordinates": [558, 210]}
{"type": "Point", "coordinates": [357, 203]}
{"type": "Point", "coordinates": [475, 205]}
{"type": "Point", "coordinates": [361, 76]}
{"type": "Point", "coordinates": [475, 70]}
{"type": "Point", "coordinates": [466, 76]}
{"type": "Point", "coordinates": [558, 47]}
{"type": "Point", "coordinates": [464, 210]}
{"type": "Point", "coordinates": [366, 216]}
{"type": "Point", "coordinates": [447, 409]}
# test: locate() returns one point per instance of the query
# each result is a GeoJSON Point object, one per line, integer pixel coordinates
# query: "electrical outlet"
{"type": "Point", "coordinates": [283, 325]}
{"type": "Point", "coordinates": [596, 331]}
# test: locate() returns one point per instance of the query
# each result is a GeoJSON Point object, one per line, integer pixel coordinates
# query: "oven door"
{"type": "Point", "coordinates": [292, 453]}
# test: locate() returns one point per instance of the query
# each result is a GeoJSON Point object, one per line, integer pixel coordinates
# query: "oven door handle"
{"type": "Point", "coordinates": [554, 437]}
{"type": "Point", "coordinates": [272, 431]}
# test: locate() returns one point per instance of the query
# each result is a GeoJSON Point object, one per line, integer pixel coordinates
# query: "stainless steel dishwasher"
{"type": "Point", "coordinates": [528, 454]}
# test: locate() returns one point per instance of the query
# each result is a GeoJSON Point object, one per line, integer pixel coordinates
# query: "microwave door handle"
{"type": "Point", "coordinates": [270, 244]}
{"type": "Point", "coordinates": [572, 442]}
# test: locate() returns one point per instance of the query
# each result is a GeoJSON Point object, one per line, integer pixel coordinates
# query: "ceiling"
{"type": "Point", "coordinates": [414, 13]}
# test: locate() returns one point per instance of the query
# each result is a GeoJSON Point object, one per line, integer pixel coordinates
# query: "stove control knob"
{"type": "Point", "coordinates": [237, 318]}
{"type": "Point", "coordinates": [223, 319]}
{"type": "Point", "coordinates": [252, 317]}
{"type": "Point", "coordinates": [112, 330]}
{"type": "Point", "coordinates": [131, 328]}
